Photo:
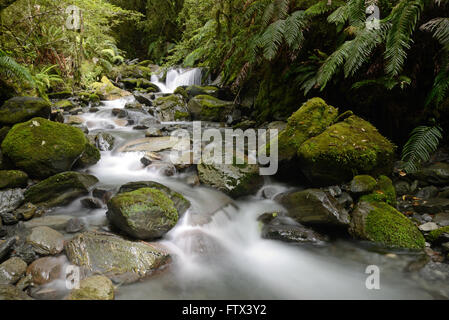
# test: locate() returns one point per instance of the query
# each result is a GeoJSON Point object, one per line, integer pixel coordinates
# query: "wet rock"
{"type": "Point", "coordinates": [24, 283]}
{"type": "Point", "coordinates": [379, 222]}
{"type": "Point", "coordinates": [90, 156]}
{"type": "Point", "coordinates": [181, 204]}
{"type": "Point", "coordinates": [436, 174]}
{"type": "Point", "coordinates": [75, 225]}
{"type": "Point", "coordinates": [21, 109]}
{"type": "Point", "coordinates": [134, 106]}
{"type": "Point", "coordinates": [335, 191]}
{"type": "Point", "coordinates": [146, 161]}
{"type": "Point", "coordinates": [434, 205]}
{"type": "Point", "coordinates": [46, 241]}
{"type": "Point", "coordinates": [164, 168]}
{"type": "Point", "coordinates": [104, 141]}
{"type": "Point", "coordinates": [47, 269]}
{"type": "Point", "coordinates": [145, 213]}
{"type": "Point", "coordinates": [58, 222]}
{"type": "Point", "coordinates": [94, 288]}
{"type": "Point", "coordinates": [143, 98]}
{"type": "Point", "coordinates": [132, 83]}
{"type": "Point", "coordinates": [107, 91]}
{"type": "Point", "coordinates": [27, 211]}
{"type": "Point", "coordinates": [114, 257]}
{"type": "Point", "coordinates": [153, 132]}
{"type": "Point", "coordinates": [9, 201]}
{"type": "Point", "coordinates": [121, 113]}
{"type": "Point", "coordinates": [314, 207]}
{"type": "Point", "coordinates": [235, 179]}
{"type": "Point", "coordinates": [284, 229]}
{"type": "Point", "coordinates": [13, 179]}
{"type": "Point", "coordinates": [6, 247]}
{"type": "Point", "coordinates": [10, 292]}
{"type": "Point", "coordinates": [172, 108]}
{"type": "Point", "coordinates": [60, 189]}
{"type": "Point", "coordinates": [442, 219]}
{"type": "Point", "coordinates": [46, 148]}
{"type": "Point", "coordinates": [363, 184]}
{"type": "Point", "coordinates": [345, 200]}
{"type": "Point", "coordinates": [12, 270]}
{"type": "Point", "coordinates": [427, 192]}
{"type": "Point", "coordinates": [91, 203]}
{"type": "Point", "coordinates": [429, 226]}
{"type": "Point", "coordinates": [102, 194]}
{"type": "Point", "coordinates": [208, 108]}
{"type": "Point", "coordinates": [77, 120]}
{"type": "Point", "coordinates": [155, 144]}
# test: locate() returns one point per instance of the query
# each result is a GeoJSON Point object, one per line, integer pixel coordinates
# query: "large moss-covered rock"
{"type": "Point", "coordinates": [310, 120]}
{"type": "Point", "coordinates": [93, 288]}
{"type": "Point", "coordinates": [114, 257]}
{"type": "Point", "coordinates": [181, 204]}
{"type": "Point", "coordinates": [145, 213]}
{"type": "Point", "coordinates": [90, 156]}
{"type": "Point", "coordinates": [194, 90]}
{"type": "Point", "coordinates": [208, 108]}
{"type": "Point", "coordinates": [43, 148]}
{"type": "Point", "coordinates": [21, 109]}
{"type": "Point", "coordinates": [13, 179]}
{"type": "Point", "coordinates": [172, 108]}
{"type": "Point", "coordinates": [233, 179]}
{"type": "Point", "coordinates": [60, 189]}
{"type": "Point", "coordinates": [132, 83]}
{"type": "Point", "coordinates": [344, 150]}
{"type": "Point", "coordinates": [379, 222]}
{"type": "Point", "coordinates": [107, 91]}
{"type": "Point", "coordinates": [314, 207]}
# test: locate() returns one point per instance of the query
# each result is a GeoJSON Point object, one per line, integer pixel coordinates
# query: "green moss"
{"type": "Point", "coordinates": [213, 109]}
{"type": "Point", "coordinates": [90, 156]}
{"type": "Point", "coordinates": [344, 150]}
{"type": "Point", "coordinates": [386, 225]}
{"type": "Point", "coordinates": [363, 184]}
{"type": "Point", "coordinates": [42, 148]}
{"type": "Point", "coordinates": [181, 91]}
{"type": "Point", "coordinates": [64, 104]}
{"type": "Point", "coordinates": [13, 179]}
{"type": "Point", "coordinates": [179, 115]}
{"type": "Point", "coordinates": [385, 186]}
{"type": "Point", "coordinates": [21, 109]}
{"type": "Point", "coordinates": [311, 119]}
{"type": "Point", "coordinates": [434, 235]}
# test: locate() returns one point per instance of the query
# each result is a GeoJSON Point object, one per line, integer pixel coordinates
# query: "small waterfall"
{"type": "Point", "coordinates": [178, 77]}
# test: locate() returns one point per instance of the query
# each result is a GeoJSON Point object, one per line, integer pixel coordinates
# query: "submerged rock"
{"type": "Point", "coordinates": [43, 148]}
{"type": "Point", "coordinates": [145, 213]}
{"type": "Point", "coordinates": [21, 109]}
{"type": "Point", "coordinates": [114, 257]}
{"type": "Point", "coordinates": [13, 179]}
{"type": "Point", "coordinates": [314, 207]}
{"type": "Point", "coordinates": [379, 222]}
{"type": "Point", "coordinates": [60, 189]}
{"type": "Point", "coordinates": [93, 288]}
{"type": "Point", "coordinates": [348, 147]}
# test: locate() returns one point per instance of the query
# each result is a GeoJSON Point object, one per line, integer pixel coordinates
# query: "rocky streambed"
{"type": "Point", "coordinates": [88, 191]}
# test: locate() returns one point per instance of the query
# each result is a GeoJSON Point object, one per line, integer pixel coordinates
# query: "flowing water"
{"type": "Point", "coordinates": [217, 248]}
{"type": "Point", "coordinates": [178, 77]}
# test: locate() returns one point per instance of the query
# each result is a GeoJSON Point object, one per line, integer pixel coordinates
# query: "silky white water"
{"type": "Point", "coordinates": [178, 77]}
{"type": "Point", "coordinates": [217, 248]}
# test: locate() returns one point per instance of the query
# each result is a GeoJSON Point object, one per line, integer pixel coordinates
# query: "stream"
{"type": "Point", "coordinates": [216, 247]}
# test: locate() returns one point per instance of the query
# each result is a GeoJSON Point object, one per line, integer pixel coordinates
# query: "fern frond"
{"type": "Point", "coordinates": [272, 39]}
{"type": "Point", "coordinates": [10, 68]}
{"type": "Point", "coordinates": [440, 30]}
{"type": "Point", "coordinates": [440, 88]}
{"type": "Point", "coordinates": [424, 141]}
{"type": "Point", "coordinates": [404, 19]}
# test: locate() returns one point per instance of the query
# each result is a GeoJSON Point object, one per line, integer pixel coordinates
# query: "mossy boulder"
{"type": "Point", "coordinates": [13, 179]}
{"type": "Point", "coordinates": [437, 235]}
{"type": "Point", "coordinates": [363, 184]}
{"type": "Point", "coordinates": [194, 90]}
{"type": "Point", "coordinates": [112, 256]}
{"type": "Point", "coordinates": [386, 188]}
{"type": "Point", "coordinates": [172, 107]}
{"type": "Point", "coordinates": [379, 222]}
{"type": "Point", "coordinates": [64, 104]}
{"type": "Point", "coordinates": [60, 189]}
{"type": "Point", "coordinates": [21, 109]}
{"type": "Point", "coordinates": [3, 133]}
{"type": "Point", "coordinates": [209, 108]}
{"type": "Point", "coordinates": [107, 91]}
{"type": "Point", "coordinates": [145, 213]}
{"type": "Point", "coordinates": [181, 204]}
{"type": "Point", "coordinates": [43, 148]}
{"type": "Point", "coordinates": [344, 150]}
{"type": "Point", "coordinates": [132, 83]}
{"type": "Point", "coordinates": [93, 288]}
{"type": "Point", "coordinates": [310, 120]}
{"type": "Point", "coordinates": [90, 156]}
{"type": "Point", "coordinates": [314, 207]}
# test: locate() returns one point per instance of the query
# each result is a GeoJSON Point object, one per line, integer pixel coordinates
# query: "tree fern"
{"type": "Point", "coordinates": [404, 19]}
{"type": "Point", "coordinates": [423, 142]}
{"type": "Point", "coordinates": [11, 69]}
